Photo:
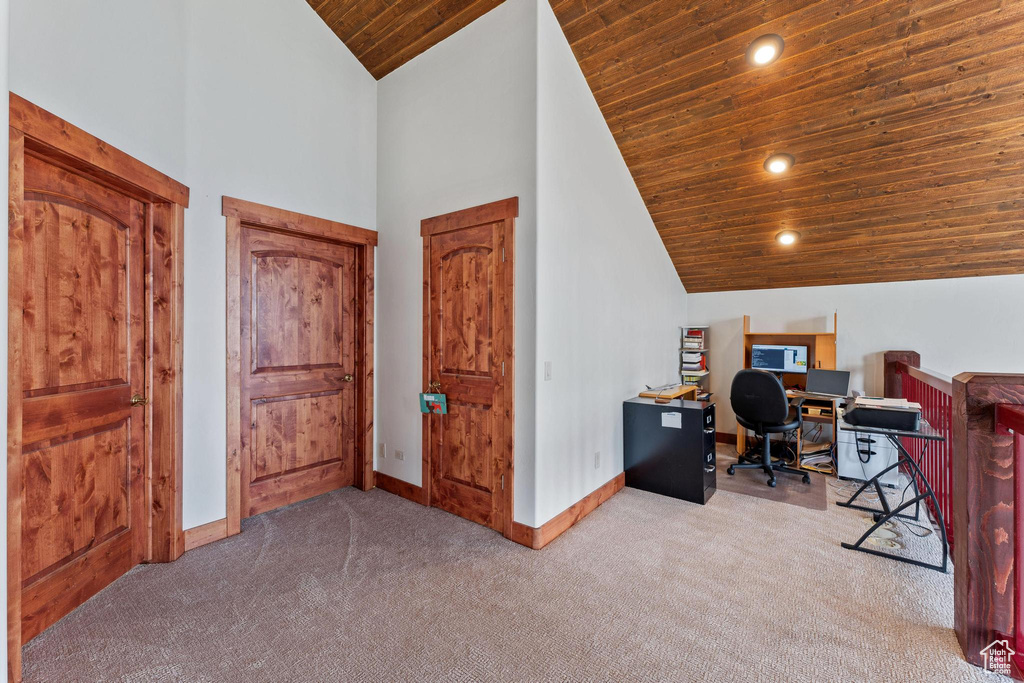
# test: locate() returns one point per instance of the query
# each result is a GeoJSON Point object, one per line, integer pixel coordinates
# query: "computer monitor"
{"type": "Point", "coordinates": [831, 382]}
{"type": "Point", "coordinates": [777, 358]}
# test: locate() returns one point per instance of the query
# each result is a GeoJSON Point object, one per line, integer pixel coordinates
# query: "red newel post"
{"type": "Point", "coordinates": [893, 384]}
{"type": "Point", "coordinates": [984, 517]}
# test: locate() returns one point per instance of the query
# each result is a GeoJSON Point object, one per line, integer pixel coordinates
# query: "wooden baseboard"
{"type": "Point", "coordinates": [538, 537]}
{"type": "Point", "coordinates": [207, 533]}
{"type": "Point", "coordinates": [722, 437]}
{"type": "Point", "coordinates": [416, 494]}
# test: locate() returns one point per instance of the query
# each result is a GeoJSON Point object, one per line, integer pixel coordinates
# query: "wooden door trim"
{"type": "Point", "coordinates": [61, 140]}
{"type": "Point", "coordinates": [45, 135]}
{"type": "Point", "coordinates": [506, 210]}
{"type": "Point", "coordinates": [290, 221]}
{"type": "Point", "coordinates": [503, 209]}
{"type": "Point", "coordinates": [238, 212]}
{"type": "Point", "coordinates": [15, 303]}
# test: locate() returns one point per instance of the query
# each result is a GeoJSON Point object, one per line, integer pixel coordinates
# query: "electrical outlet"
{"type": "Point", "coordinates": [547, 370]}
{"type": "Point", "coordinates": [383, 448]}
{"type": "Point", "coordinates": [399, 455]}
{"type": "Point", "coordinates": [597, 460]}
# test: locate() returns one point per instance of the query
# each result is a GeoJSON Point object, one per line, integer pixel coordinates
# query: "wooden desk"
{"type": "Point", "coordinates": [689, 393]}
{"type": "Point", "coordinates": [821, 354]}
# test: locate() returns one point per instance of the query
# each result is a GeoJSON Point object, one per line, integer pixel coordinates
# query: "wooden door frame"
{"type": "Point", "coordinates": [40, 133]}
{"type": "Point", "coordinates": [506, 210]}
{"type": "Point", "coordinates": [239, 212]}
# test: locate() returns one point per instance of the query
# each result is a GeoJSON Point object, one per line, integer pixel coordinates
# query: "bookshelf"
{"type": "Point", "coordinates": [694, 348]}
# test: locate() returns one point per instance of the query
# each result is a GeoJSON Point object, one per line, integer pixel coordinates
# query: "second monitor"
{"type": "Point", "coordinates": [776, 358]}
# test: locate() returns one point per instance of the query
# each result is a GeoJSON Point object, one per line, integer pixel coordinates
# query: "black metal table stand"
{"type": "Point", "coordinates": [888, 513]}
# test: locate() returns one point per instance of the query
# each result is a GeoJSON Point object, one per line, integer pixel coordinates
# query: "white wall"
{"type": "Point", "coordinates": [609, 302]}
{"type": "Point", "coordinates": [116, 69]}
{"type": "Point", "coordinates": [957, 325]}
{"type": "Point", "coordinates": [456, 128]}
{"type": "Point", "coordinates": [278, 111]}
{"type": "Point", "coordinates": [251, 98]}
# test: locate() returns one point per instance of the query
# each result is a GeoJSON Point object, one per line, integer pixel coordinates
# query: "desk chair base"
{"type": "Point", "coordinates": [752, 460]}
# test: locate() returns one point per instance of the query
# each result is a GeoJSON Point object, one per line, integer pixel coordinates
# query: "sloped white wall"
{"type": "Point", "coordinates": [957, 325]}
{"type": "Point", "coordinates": [456, 128]}
{"type": "Point", "coordinates": [609, 302]}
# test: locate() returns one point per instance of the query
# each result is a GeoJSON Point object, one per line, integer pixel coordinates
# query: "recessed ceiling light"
{"type": "Point", "coordinates": [765, 50]}
{"type": "Point", "coordinates": [779, 163]}
{"type": "Point", "coordinates": [787, 237]}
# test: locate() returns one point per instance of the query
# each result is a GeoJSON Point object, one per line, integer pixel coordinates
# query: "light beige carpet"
{"type": "Point", "coordinates": [370, 587]}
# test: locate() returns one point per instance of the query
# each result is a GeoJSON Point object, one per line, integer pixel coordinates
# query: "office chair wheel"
{"type": "Point", "coordinates": [731, 470]}
{"type": "Point", "coordinates": [771, 482]}
{"type": "Point", "coordinates": [807, 479]}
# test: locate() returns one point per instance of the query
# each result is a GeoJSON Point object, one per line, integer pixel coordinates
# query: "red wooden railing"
{"type": "Point", "coordinates": [988, 507]}
{"type": "Point", "coordinates": [1010, 421]}
{"type": "Point", "coordinates": [935, 394]}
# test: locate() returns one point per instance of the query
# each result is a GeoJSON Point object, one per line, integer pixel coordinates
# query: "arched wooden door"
{"type": "Point", "coordinates": [94, 365]}
{"type": "Point", "coordinates": [468, 356]}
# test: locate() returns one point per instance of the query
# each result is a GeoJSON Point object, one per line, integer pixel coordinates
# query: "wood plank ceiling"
{"type": "Point", "coordinates": [906, 119]}
{"type": "Point", "coordinates": [385, 34]}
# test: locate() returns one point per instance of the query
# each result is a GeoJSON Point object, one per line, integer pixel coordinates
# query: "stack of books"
{"type": "Point", "coordinates": [694, 339]}
{"type": "Point", "coordinates": [693, 362]}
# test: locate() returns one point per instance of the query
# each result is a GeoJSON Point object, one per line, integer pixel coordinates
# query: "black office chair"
{"type": "Point", "coordinates": [760, 403]}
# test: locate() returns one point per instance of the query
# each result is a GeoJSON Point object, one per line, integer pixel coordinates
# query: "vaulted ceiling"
{"type": "Point", "coordinates": [385, 34]}
{"type": "Point", "coordinates": [905, 117]}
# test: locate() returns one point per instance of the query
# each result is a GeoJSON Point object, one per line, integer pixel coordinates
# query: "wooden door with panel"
{"type": "Point", "coordinates": [83, 377]}
{"type": "Point", "coordinates": [469, 360]}
{"type": "Point", "coordinates": [298, 397]}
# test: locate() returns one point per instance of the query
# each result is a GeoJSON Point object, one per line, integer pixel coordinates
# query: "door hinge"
{"type": "Point", "coordinates": [502, 368]}
{"type": "Point", "coordinates": [503, 482]}
{"type": "Point", "coordinates": [503, 254]}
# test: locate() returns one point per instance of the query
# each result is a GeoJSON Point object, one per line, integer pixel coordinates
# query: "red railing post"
{"type": "Point", "coordinates": [893, 359]}
{"type": "Point", "coordinates": [1010, 422]}
{"type": "Point", "coordinates": [984, 513]}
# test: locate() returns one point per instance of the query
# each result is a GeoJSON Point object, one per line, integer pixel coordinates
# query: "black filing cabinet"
{"type": "Point", "coordinates": [669, 448]}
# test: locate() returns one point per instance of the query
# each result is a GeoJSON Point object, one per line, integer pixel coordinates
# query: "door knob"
{"type": "Point", "coordinates": [348, 377]}
{"type": "Point", "coordinates": [139, 400]}
{"type": "Point", "coordinates": [434, 386]}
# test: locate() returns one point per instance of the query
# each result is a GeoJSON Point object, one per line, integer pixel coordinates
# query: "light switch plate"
{"type": "Point", "coordinates": [399, 455]}
{"type": "Point", "coordinates": [547, 370]}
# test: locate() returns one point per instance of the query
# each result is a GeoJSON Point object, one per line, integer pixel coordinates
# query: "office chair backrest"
{"type": "Point", "coordinates": [758, 396]}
